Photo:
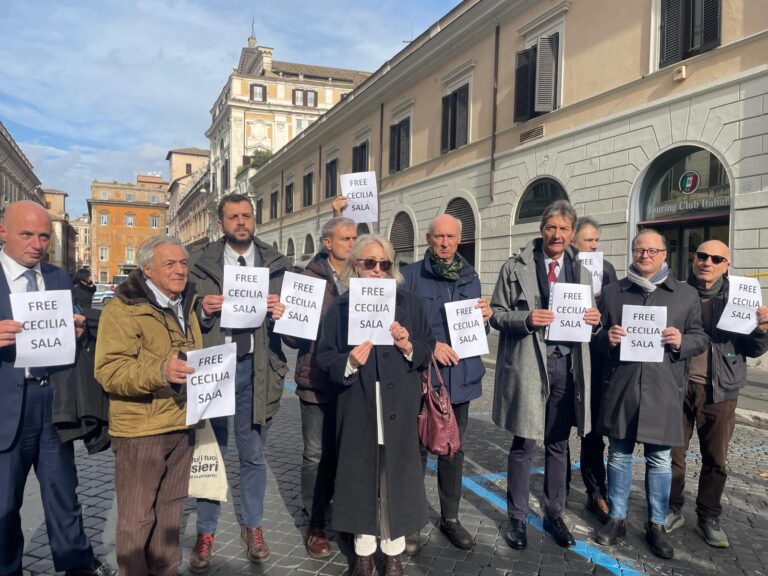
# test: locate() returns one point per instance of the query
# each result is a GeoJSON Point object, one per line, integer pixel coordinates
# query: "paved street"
{"type": "Point", "coordinates": [483, 513]}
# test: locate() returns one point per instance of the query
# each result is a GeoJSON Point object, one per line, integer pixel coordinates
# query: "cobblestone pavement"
{"type": "Point", "coordinates": [482, 512]}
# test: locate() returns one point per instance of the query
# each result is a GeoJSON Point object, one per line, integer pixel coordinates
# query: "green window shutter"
{"type": "Point", "coordinates": [672, 32]}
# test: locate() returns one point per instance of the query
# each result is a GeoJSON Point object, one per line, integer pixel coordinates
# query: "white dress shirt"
{"type": "Point", "coordinates": [166, 302]}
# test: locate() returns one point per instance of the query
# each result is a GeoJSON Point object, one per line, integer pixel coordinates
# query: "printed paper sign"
{"type": "Point", "coordinates": [47, 336]}
{"type": "Point", "coordinates": [570, 303]}
{"type": "Point", "coordinates": [644, 325]}
{"type": "Point", "coordinates": [593, 261]}
{"type": "Point", "coordinates": [466, 328]}
{"type": "Point", "coordinates": [740, 312]}
{"type": "Point", "coordinates": [371, 310]}
{"type": "Point", "coordinates": [362, 196]}
{"type": "Point", "coordinates": [303, 299]}
{"type": "Point", "coordinates": [245, 296]}
{"type": "Point", "coordinates": [211, 389]}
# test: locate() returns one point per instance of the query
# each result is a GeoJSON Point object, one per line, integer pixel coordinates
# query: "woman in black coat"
{"type": "Point", "coordinates": [84, 288]}
{"type": "Point", "coordinates": [379, 478]}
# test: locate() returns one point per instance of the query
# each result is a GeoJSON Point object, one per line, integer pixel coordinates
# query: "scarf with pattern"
{"type": "Point", "coordinates": [645, 284]}
{"type": "Point", "coordinates": [439, 268]}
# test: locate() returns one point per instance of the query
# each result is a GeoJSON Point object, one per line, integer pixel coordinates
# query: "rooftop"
{"type": "Point", "coordinates": [189, 152]}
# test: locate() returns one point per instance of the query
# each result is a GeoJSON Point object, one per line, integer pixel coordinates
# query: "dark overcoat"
{"type": "Point", "coordinates": [643, 401]}
{"type": "Point", "coordinates": [464, 381]}
{"type": "Point", "coordinates": [355, 500]}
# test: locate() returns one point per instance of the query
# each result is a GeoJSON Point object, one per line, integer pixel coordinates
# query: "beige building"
{"type": "Point", "coordinates": [82, 228]}
{"type": "Point", "coordinates": [639, 113]}
{"type": "Point", "coordinates": [123, 216]}
{"type": "Point", "coordinates": [187, 168]}
{"type": "Point", "coordinates": [17, 176]}
{"type": "Point", "coordinates": [264, 104]}
{"type": "Point", "coordinates": [61, 250]}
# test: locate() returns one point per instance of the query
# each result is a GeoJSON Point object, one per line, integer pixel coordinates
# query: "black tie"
{"type": "Point", "coordinates": [32, 286]}
{"type": "Point", "coordinates": [242, 337]}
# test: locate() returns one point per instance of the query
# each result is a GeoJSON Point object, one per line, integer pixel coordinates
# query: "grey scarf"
{"type": "Point", "coordinates": [645, 284]}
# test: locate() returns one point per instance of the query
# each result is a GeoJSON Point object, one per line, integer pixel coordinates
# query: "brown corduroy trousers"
{"type": "Point", "coordinates": [151, 483]}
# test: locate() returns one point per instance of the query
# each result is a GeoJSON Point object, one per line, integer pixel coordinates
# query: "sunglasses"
{"type": "Point", "coordinates": [702, 256]}
{"type": "Point", "coordinates": [371, 263]}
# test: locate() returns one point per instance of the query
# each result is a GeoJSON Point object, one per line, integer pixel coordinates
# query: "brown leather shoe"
{"type": "Point", "coordinates": [364, 566]}
{"type": "Point", "coordinates": [317, 544]}
{"type": "Point", "coordinates": [200, 561]}
{"type": "Point", "coordinates": [599, 507]}
{"type": "Point", "coordinates": [393, 566]}
{"type": "Point", "coordinates": [254, 544]}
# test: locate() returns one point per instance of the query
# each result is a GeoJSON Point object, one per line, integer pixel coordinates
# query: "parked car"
{"type": "Point", "coordinates": [116, 279]}
{"type": "Point", "coordinates": [104, 293]}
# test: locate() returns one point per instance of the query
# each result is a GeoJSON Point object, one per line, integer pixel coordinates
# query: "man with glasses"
{"type": "Point", "coordinates": [445, 276]}
{"type": "Point", "coordinates": [542, 386]}
{"type": "Point", "coordinates": [714, 379]}
{"type": "Point", "coordinates": [317, 394]}
{"type": "Point", "coordinates": [144, 334]}
{"type": "Point", "coordinates": [642, 401]}
{"type": "Point", "coordinates": [261, 369]}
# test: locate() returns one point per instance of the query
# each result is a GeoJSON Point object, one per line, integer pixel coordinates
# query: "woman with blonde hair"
{"type": "Point", "coordinates": [379, 478]}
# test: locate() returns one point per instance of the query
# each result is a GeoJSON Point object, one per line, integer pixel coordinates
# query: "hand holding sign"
{"type": "Point", "coordinates": [744, 299]}
{"type": "Point", "coordinates": [48, 328]}
{"type": "Point", "coordinates": [211, 390]}
{"type": "Point", "coordinates": [8, 331]}
{"type": "Point", "coordinates": [362, 196]}
{"type": "Point", "coordinates": [176, 369]}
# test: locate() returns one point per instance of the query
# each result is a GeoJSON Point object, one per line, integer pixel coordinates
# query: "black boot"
{"type": "Point", "coordinates": [658, 541]}
{"type": "Point", "coordinates": [609, 534]}
{"type": "Point", "coordinates": [515, 535]}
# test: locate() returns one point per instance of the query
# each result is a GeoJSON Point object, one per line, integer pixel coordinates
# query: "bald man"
{"type": "Point", "coordinates": [27, 436]}
{"type": "Point", "coordinates": [714, 380]}
{"type": "Point", "coordinates": [445, 276]}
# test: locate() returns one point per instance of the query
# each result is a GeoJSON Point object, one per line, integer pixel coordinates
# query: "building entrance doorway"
{"type": "Point", "coordinates": [687, 199]}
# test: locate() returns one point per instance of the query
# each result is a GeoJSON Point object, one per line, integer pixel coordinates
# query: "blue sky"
{"type": "Point", "coordinates": [102, 89]}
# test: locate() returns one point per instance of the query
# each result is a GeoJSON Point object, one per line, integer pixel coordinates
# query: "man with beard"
{"type": "Point", "coordinates": [261, 369]}
{"type": "Point", "coordinates": [714, 379]}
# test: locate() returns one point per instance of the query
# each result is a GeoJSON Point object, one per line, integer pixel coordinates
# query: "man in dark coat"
{"type": "Point", "coordinates": [542, 386]}
{"type": "Point", "coordinates": [714, 380]}
{"type": "Point", "coordinates": [642, 401]}
{"type": "Point", "coordinates": [444, 276]}
{"type": "Point", "coordinates": [317, 394]}
{"type": "Point", "coordinates": [27, 435]}
{"type": "Point", "coordinates": [587, 239]}
{"type": "Point", "coordinates": [259, 376]}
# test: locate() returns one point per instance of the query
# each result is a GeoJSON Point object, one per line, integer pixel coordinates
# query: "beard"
{"type": "Point", "coordinates": [232, 240]}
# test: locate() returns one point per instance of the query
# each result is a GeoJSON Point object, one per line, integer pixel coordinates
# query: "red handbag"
{"type": "Point", "coordinates": [438, 430]}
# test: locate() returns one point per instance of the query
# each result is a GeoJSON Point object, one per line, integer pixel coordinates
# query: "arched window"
{"type": "Point", "coordinates": [537, 197]}
{"type": "Point", "coordinates": [363, 228]}
{"type": "Point", "coordinates": [401, 237]}
{"type": "Point", "coordinates": [462, 211]}
{"type": "Point", "coordinates": [309, 246]}
{"type": "Point", "coordinates": [274, 245]}
{"type": "Point", "coordinates": [291, 251]}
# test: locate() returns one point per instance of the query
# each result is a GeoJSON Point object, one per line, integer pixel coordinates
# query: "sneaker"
{"type": "Point", "coordinates": [675, 519]}
{"type": "Point", "coordinates": [200, 561]}
{"type": "Point", "coordinates": [709, 529]}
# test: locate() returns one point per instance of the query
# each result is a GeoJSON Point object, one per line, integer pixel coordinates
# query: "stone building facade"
{"type": "Point", "coordinates": [186, 168]}
{"type": "Point", "coordinates": [17, 175]}
{"type": "Point", "coordinates": [61, 250]}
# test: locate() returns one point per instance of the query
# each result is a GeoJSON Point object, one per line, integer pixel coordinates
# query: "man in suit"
{"type": "Point", "coordinates": [27, 436]}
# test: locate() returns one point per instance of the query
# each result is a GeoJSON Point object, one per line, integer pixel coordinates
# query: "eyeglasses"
{"type": "Point", "coordinates": [702, 256]}
{"type": "Point", "coordinates": [370, 264]}
{"type": "Point", "coordinates": [650, 251]}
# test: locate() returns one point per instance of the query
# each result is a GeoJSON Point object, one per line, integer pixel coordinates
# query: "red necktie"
{"type": "Point", "coordinates": [552, 275]}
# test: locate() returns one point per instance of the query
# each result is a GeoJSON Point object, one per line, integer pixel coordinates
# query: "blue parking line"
{"type": "Point", "coordinates": [591, 553]}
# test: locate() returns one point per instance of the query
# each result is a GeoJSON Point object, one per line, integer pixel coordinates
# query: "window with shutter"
{"type": "Point", "coordinates": [307, 190]}
{"type": "Point", "coordinates": [537, 197]}
{"type": "Point", "coordinates": [309, 245]}
{"type": "Point", "coordinates": [360, 157]}
{"type": "Point", "coordinates": [331, 177]}
{"type": "Point", "coordinates": [404, 141]}
{"type": "Point", "coordinates": [536, 71]}
{"type": "Point", "coordinates": [289, 198]}
{"type": "Point", "coordinates": [393, 147]}
{"type": "Point", "coordinates": [273, 206]}
{"type": "Point", "coordinates": [363, 228]}
{"type": "Point", "coordinates": [455, 119]}
{"type": "Point", "coordinates": [524, 80]}
{"type": "Point", "coordinates": [546, 74]}
{"type": "Point", "coordinates": [462, 211]}
{"type": "Point", "coordinates": [402, 237]}
{"type": "Point", "coordinates": [259, 211]}
{"type": "Point", "coordinates": [291, 250]}
{"type": "Point", "coordinates": [688, 28]}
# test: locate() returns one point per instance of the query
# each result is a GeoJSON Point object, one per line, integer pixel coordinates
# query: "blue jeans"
{"type": "Point", "coordinates": [658, 478]}
{"type": "Point", "coordinates": [251, 439]}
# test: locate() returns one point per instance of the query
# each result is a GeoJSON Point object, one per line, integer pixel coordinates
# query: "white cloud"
{"type": "Point", "coordinates": [103, 89]}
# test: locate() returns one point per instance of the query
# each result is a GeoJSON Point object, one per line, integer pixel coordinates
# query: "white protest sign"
{"type": "Point", "coordinates": [303, 299]}
{"type": "Point", "coordinates": [740, 312]}
{"type": "Point", "coordinates": [211, 389]}
{"type": "Point", "coordinates": [570, 303]}
{"type": "Point", "coordinates": [644, 325]}
{"type": "Point", "coordinates": [593, 261]}
{"type": "Point", "coordinates": [245, 296]}
{"type": "Point", "coordinates": [371, 310]}
{"type": "Point", "coordinates": [466, 328]}
{"type": "Point", "coordinates": [47, 336]}
{"type": "Point", "coordinates": [362, 196]}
